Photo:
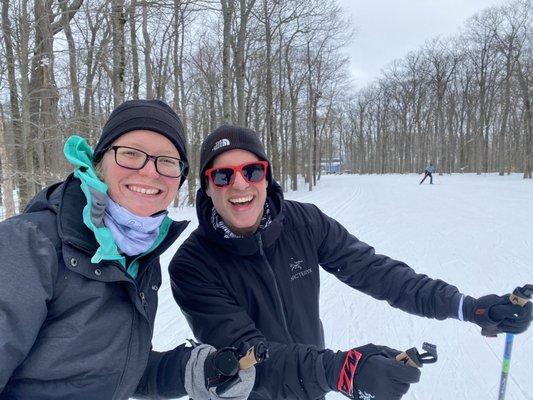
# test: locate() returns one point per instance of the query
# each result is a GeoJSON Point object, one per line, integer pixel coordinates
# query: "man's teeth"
{"type": "Point", "coordinates": [241, 200]}
{"type": "Point", "coordinates": [143, 190]}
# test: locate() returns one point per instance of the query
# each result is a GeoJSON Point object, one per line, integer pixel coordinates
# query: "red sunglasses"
{"type": "Point", "coordinates": [253, 172]}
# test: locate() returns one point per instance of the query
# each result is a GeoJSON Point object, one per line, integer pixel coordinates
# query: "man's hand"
{"type": "Point", "coordinates": [496, 314]}
{"type": "Point", "coordinates": [372, 372]}
{"type": "Point", "coordinates": [215, 374]}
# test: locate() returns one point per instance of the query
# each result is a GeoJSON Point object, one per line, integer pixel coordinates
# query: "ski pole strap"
{"type": "Point", "coordinates": [521, 295]}
{"type": "Point", "coordinates": [347, 373]}
{"type": "Point", "coordinates": [490, 332]}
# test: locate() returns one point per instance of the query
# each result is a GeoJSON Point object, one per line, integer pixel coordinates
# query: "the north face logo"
{"type": "Point", "coordinates": [220, 143]}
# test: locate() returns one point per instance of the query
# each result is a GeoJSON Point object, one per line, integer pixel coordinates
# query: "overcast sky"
{"type": "Point", "coordinates": [388, 29]}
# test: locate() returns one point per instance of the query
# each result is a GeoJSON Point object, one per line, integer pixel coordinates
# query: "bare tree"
{"type": "Point", "coordinates": [134, 49]}
{"type": "Point", "coordinates": [118, 20]}
{"type": "Point", "coordinates": [245, 8]}
{"type": "Point", "coordinates": [228, 8]}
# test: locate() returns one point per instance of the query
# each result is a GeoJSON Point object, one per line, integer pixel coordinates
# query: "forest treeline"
{"type": "Point", "coordinates": [277, 66]}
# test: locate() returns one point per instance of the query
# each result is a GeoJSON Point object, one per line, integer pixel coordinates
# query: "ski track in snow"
{"type": "Point", "coordinates": [471, 231]}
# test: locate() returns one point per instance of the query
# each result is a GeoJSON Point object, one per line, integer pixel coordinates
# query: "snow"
{"type": "Point", "coordinates": [472, 231]}
{"type": "Point", "coordinates": [469, 230]}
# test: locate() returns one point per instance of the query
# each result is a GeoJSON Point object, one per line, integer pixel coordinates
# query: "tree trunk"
{"type": "Point", "coordinates": [240, 59]}
{"type": "Point", "coordinates": [73, 64]}
{"type": "Point", "coordinates": [147, 54]}
{"type": "Point", "coordinates": [11, 75]}
{"type": "Point", "coordinates": [44, 95]}
{"type": "Point", "coordinates": [8, 173]}
{"type": "Point", "coordinates": [227, 14]}
{"type": "Point", "coordinates": [25, 144]}
{"type": "Point", "coordinates": [270, 125]}
{"type": "Point", "coordinates": [176, 70]}
{"type": "Point", "coordinates": [528, 122]}
{"type": "Point", "coordinates": [17, 137]}
{"type": "Point", "coordinates": [505, 115]}
{"type": "Point", "coordinates": [134, 50]}
{"type": "Point", "coordinates": [281, 112]}
{"type": "Point", "coordinates": [119, 52]}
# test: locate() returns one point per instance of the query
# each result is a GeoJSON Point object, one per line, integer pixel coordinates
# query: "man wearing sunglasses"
{"type": "Point", "coordinates": [249, 273]}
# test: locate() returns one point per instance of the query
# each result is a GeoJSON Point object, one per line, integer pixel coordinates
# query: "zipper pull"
{"type": "Point", "coordinates": [260, 243]}
{"type": "Point", "coordinates": [143, 299]}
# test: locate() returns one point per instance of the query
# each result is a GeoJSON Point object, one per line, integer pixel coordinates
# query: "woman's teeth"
{"type": "Point", "coordinates": [143, 190]}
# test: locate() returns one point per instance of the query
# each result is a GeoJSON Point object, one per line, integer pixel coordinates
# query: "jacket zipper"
{"type": "Point", "coordinates": [144, 303]}
{"type": "Point", "coordinates": [143, 300]}
{"type": "Point", "coordinates": [276, 287]}
{"type": "Point", "coordinates": [128, 354]}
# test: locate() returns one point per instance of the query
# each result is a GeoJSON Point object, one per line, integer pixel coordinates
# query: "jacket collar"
{"type": "Point", "coordinates": [67, 200]}
{"type": "Point", "coordinates": [242, 246]}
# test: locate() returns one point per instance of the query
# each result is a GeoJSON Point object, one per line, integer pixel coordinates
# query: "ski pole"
{"type": "Point", "coordinates": [520, 296]}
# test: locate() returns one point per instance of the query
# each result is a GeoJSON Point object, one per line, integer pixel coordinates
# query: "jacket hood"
{"type": "Point", "coordinates": [242, 246]}
{"type": "Point", "coordinates": [47, 199]}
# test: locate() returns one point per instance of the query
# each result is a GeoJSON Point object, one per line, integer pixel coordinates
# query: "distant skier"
{"type": "Point", "coordinates": [430, 169]}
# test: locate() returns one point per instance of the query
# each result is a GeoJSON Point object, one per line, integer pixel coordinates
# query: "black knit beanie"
{"type": "Point", "coordinates": [152, 115]}
{"type": "Point", "coordinates": [229, 137]}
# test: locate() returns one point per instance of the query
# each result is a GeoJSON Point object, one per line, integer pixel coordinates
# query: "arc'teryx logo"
{"type": "Point", "coordinates": [220, 143]}
{"type": "Point", "coordinates": [297, 269]}
{"type": "Point", "coordinates": [365, 395]}
{"type": "Point", "coordinates": [295, 265]}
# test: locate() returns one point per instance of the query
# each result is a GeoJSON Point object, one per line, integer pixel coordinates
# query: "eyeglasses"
{"type": "Point", "coordinates": [253, 172]}
{"type": "Point", "coordinates": [131, 158]}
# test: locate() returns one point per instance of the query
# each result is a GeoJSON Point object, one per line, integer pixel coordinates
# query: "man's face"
{"type": "Point", "coordinates": [240, 204]}
{"type": "Point", "coordinates": [142, 192]}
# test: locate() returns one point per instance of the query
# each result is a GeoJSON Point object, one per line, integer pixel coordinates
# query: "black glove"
{"type": "Point", "coordinates": [215, 375]}
{"type": "Point", "coordinates": [496, 314]}
{"type": "Point", "coordinates": [220, 367]}
{"type": "Point", "coordinates": [372, 372]}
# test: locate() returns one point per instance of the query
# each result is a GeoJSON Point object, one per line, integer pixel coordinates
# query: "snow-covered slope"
{"type": "Point", "coordinates": [473, 231]}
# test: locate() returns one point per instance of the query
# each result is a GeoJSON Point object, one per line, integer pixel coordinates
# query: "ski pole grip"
{"type": "Point", "coordinates": [254, 355]}
{"type": "Point", "coordinates": [408, 357]}
{"type": "Point", "coordinates": [413, 358]}
{"type": "Point", "coordinates": [521, 295]}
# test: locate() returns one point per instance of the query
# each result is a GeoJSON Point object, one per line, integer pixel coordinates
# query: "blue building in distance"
{"type": "Point", "coordinates": [330, 166]}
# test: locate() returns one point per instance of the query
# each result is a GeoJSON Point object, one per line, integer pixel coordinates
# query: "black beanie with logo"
{"type": "Point", "coordinates": [152, 115]}
{"type": "Point", "coordinates": [230, 137]}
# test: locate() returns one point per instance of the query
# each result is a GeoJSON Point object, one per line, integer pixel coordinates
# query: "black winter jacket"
{"type": "Point", "coordinates": [70, 329]}
{"type": "Point", "coordinates": [266, 287]}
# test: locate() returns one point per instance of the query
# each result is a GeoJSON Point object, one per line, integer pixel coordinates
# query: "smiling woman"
{"type": "Point", "coordinates": [80, 273]}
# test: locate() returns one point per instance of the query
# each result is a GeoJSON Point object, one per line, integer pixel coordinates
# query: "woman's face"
{"type": "Point", "coordinates": [143, 192]}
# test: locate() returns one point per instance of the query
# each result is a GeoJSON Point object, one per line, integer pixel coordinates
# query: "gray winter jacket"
{"type": "Point", "coordinates": [72, 329]}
